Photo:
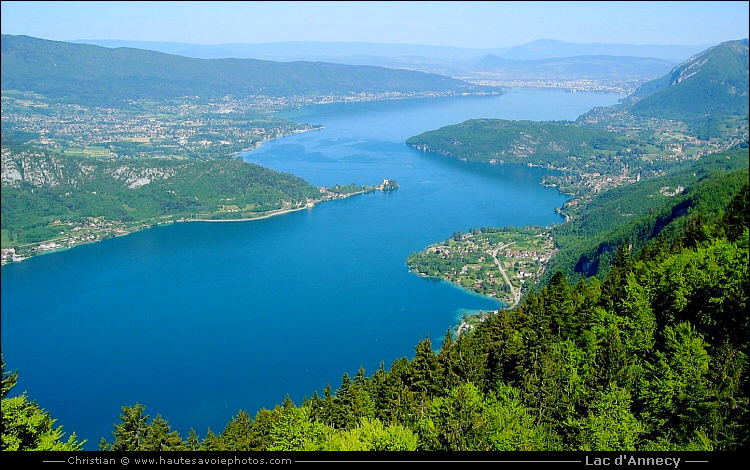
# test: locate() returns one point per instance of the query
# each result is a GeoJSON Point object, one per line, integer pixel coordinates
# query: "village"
{"type": "Point", "coordinates": [498, 263]}
{"type": "Point", "coordinates": [93, 229]}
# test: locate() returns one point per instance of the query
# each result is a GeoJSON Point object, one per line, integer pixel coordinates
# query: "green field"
{"type": "Point", "coordinates": [92, 151]}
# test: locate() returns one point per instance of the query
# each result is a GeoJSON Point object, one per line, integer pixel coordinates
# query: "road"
{"type": "Point", "coordinates": [516, 294]}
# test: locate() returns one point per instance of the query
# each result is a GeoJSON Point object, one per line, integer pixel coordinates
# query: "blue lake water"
{"type": "Point", "coordinates": [197, 321]}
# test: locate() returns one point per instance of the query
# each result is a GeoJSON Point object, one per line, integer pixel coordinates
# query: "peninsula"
{"type": "Point", "coordinates": [495, 262]}
{"type": "Point", "coordinates": [52, 201]}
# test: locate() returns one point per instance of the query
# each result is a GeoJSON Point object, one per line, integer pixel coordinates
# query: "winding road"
{"type": "Point", "coordinates": [516, 294]}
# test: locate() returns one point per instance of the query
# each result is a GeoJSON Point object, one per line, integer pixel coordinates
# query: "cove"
{"type": "Point", "coordinates": [197, 321]}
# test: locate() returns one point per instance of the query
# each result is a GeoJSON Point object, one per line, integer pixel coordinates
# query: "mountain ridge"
{"type": "Point", "coordinates": [714, 81]}
{"type": "Point", "coordinates": [75, 71]}
{"type": "Point", "coordinates": [294, 50]}
{"type": "Point", "coordinates": [457, 62]}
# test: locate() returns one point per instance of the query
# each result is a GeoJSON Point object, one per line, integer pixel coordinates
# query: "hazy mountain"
{"type": "Point", "coordinates": [431, 59]}
{"type": "Point", "coordinates": [88, 73]}
{"type": "Point", "coordinates": [452, 61]}
{"type": "Point", "coordinates": [548, 48]}
{"type": "Point", "coordinates": [321, 50]}
{"type": "Point", "coordinates": [297, 50]}
{"type": "Point", "coordinates": [593, 67]}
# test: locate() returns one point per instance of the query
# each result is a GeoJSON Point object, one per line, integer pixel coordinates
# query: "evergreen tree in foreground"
{"type": "Point", "coordinates": [26, 426]}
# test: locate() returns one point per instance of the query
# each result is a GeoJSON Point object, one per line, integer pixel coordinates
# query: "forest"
{"type": "Point", "coordinates": [52, 194]}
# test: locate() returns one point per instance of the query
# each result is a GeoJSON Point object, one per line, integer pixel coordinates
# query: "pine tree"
{"type": "Point", "coordinates": [130, 433]}
{"type": "Point", "coordinates": [26, 426]}
{"type": "Point", "coordinates": [160, 437]}
{"type": "Point", "coordinates": [237, 434]}
{"type": "Point", "coordinates": [192, 443]}
{"type": "Point", "coordinates": [425, 371]}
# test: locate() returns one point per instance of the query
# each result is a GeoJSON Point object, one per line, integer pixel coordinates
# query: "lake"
{"type": "Point", "coordinates": [199, 320]}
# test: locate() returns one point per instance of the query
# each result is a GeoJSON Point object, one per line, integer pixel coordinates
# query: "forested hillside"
{"type": "Point", "coordinates": [578, 151]}
{"type": "Point", "coordinates": [641, 211]}
{"type": "Point", "coordinates": [699, 108]}
{"type": "Point", "coordinates": [47, 195]}
{"type": "Point", "coordinates": [88, 75]}
{"type": "Point", "coordinates": [706, 97]}
{"type": "Point", "coordinates": [711, 84]}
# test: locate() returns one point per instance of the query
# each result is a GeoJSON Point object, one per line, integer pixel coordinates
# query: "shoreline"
{"type": "Point", "coordinates": [269, 214]}
{"type": "Point", "coordinates": [246, 219]}
{"type": "Point", "coordinates": [258, 144]}
{"type": "Point", "coordinates": [149, 226]}
{"type": "Point", "coordinates": [146, 227]}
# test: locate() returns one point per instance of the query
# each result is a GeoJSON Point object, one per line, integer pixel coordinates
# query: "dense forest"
{"type": "Point", "coordinates": [650, 357]}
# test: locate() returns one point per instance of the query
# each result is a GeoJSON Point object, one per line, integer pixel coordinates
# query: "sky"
{"type": "Point", "coordinates": [465, 24]}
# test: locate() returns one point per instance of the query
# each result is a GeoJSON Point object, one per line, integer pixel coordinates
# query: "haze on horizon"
{"type": "Point", "coordinates": [465, 24]}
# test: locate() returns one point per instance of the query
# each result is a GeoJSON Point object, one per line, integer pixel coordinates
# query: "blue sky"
{"type": "Point", "coordinates": [462, 24]}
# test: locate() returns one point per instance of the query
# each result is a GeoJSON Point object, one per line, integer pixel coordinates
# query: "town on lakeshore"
{"type": "Point", "coordinates": [496, 262]}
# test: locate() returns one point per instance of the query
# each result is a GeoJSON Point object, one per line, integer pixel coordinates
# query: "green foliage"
{"type": "Point", "coordinates": [708, 287]}
{"type": "Point", "coordinates": [131, 432]}
{"type": "Point", "coordinates": [9, 379]}
{"type": "Point", "coordinates": [589, 241]}
{"type": "Point", "coordinates": [240, 433]}
{"type": "Point", "coordinates": [425, 373]}
{"type": "Point", "coordinates": [512, 427]}
{"type": "Point", "coordinates": [467, 420]}
{"type": "Point", "coordinates": [137, 192]}
{"type": "Point", "coordinates": [675, 394]}
{"type": "Point", "coordinates": [135, 433]}
{"type": "Point", "coordinates": [713, 83]}
{"type": "Point", "coordinates": [296, 431]}
{"type": "Point", "coordinates": [372, 435]}
{"type": "Point", "coordinates": [161, 437]}
{"type": "Point", "coordinates": [28, 427]}
{"type": "Point", "coordinates": [527, 142]}
{"type": "Point", "coordinates": [610, 424]}
{"type": "Point", "coordinates": [456, 422]}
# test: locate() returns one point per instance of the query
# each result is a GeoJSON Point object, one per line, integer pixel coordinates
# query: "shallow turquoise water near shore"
{"type": "Point", "coordinates": [200, 320]}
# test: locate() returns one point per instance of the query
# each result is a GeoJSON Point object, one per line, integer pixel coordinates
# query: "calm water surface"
{"type": "Point", "coordinates": [197, 321]}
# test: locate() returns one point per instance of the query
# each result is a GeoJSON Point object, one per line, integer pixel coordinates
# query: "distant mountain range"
{"type": "Point", "coordinates": [336, 51]}
{"type": "Point", "coordinates": [548, 49]}
{"type": "Point", "coordinates": [601, 67]}
{"type": "Point", "coordinates": [534, 60]}
{"type": "Point", "coordinates": [92, 74]}
{"type": "Point", "coordinates": [298, 50]}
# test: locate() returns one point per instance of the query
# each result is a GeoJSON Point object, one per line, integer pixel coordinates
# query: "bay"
{"type": "Point", "coordinates": [199, 320]}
